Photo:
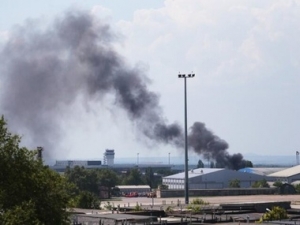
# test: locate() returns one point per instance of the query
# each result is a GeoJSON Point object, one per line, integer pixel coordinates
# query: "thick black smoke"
{"type": "Point", "coordinates": [206, 143]}
{"type": "Point", "coordinates": [45, 70]}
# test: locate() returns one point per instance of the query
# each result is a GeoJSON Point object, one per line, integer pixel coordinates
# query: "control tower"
{"type": "Point", "coordinates": [108, 157]}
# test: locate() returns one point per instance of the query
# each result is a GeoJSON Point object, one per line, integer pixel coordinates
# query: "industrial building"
{"type": "Point", "coordinates": [211, 178]}
{"type": "Point", "coordinates": [290, 175]}
{"type": "Point", "coordinates": [108, 163]}
{"type": "Point", "coordinates": [61, 165]}
{"type": "Point", "coordinates": [265, 171]}
{"type": "Point", "coordinates": [134, 188]}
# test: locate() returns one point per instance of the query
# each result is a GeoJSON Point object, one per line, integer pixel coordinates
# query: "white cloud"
{"type": "Point", "coordinates": [4, 35]}
{"type": "Point", "coordinates": [245, 46]}
{"type": "Point", "coordinates": [101, 12]}
{"type": "Point", "coordinates": [246, 58]}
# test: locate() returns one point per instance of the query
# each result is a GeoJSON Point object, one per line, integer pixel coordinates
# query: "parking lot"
{"type": "Point", "coordinates": [215, 200]}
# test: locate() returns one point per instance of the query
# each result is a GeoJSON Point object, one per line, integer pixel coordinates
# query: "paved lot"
{"type": "Point", "coordinates": [295, 200]}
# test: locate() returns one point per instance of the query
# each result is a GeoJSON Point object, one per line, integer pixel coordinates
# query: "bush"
{"type": "Point", "coordinates": [108, 206]}
{"type": "Point", "coordinates": [199, 201]}
{"type": "Point", "coordinates": [88, 200]}
{"type": "Point", "coordinates": [277, 213]}
{"type": "Point", "coordinates": [277, 184]}
{"type": "Point", "coordinates": [261, 184]}
{"type": "Point", "coordinates": [235, 183]}
{"type": "Point", "coordinates": [194, 208]}
{"type": "Point", "coordinates": [137, 207]}
{"type": "Point", "coordinates": [169, 209]}
{"type": "Point", "coordinates": [297, 188]}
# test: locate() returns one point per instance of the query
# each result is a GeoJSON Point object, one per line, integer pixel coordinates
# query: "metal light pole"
{"type": "Point", "coordinates": [137, 160]}
{"type": "Point", "coordinates": [186, 175]}
{"type": "Point", "coordinates": [169, 158]}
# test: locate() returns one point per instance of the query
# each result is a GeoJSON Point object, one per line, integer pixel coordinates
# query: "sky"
{"type": "Point", "coordinates": [244, 54]}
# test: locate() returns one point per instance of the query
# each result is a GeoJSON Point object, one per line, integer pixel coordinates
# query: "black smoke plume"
{"type": "Point", "coordinates": [206, 143]}
{"type": "Point", "coordinates": [45, 70]}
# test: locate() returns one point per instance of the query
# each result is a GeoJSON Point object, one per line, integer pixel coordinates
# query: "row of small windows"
{"type": "Point", "coordinates": [173, 181]}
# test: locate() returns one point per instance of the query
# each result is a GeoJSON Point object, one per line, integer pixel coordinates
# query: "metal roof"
{"type": "Point", "coordinates": [262, 170]}
{"type": "Point", "coordinates": [287, 172]}
{"type": "Point", "coordinates": [194, 173]}
{"type": "Point", "coordinates": [120, 217]}
{"type": "Point", "coordinates": [133, 186]}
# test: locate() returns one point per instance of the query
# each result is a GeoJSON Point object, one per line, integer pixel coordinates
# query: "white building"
{"type": "Point", "coordinates": [211, 178]}
{"type": "Point", "coordinates": [108, 157]}
{"type": "Point", "coordinates": [290, 175]}
{"type": "Point", "coordinates": [134, 188]}
{"type": "Point", "coordinates": [73, 163]}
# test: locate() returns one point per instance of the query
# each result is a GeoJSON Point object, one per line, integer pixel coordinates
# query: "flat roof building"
{"type": "Point", "coordinates": [211, 178]}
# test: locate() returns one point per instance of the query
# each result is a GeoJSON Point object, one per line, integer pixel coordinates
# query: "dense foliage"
{"type": "Point", "coordinates": [277, 213]}
{"type": "Point", "coordinates": [200, 164]}
{"type": "Point", "coordinates": [277, 184]}
{"type": "Point", "coordinates": [30, 193]}
{"type": "Point", "coordinates": [236, 183]}
{"type": "Point", "coordinates": [88, 183]}
{"type": "Point", "coordinates": [261, 184]}
{"type": "Point", "coordinates": [297, 188]}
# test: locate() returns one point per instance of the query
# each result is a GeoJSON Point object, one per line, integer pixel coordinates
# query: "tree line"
{"type": "Point", "coordinates": [32, 193]}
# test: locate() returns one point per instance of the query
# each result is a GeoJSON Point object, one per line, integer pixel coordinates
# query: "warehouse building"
{"type": "Point", "coordinates": [290, 175]}
{"type": "Point", "coordinates": [262, 170]}
{"type": "Point", "coordinates": [211, 178]}
{"type": "Point", "coordinates": [134, 188]}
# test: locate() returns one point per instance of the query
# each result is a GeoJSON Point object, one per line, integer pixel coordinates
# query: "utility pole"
{"type": "Point", "coordinates": [186, 175]}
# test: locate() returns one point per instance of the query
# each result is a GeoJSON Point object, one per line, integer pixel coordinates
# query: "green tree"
{"type": "Point", "coordinates": [29, 191]}
{"type": "Point", "coordinates": [88, 200]}
{"type": "Point", "coordinates": [261, 184]}
{"type": "Point", "coordinates": [134, 178]}
{"type": "Point", "coordinates": [85, 180]}
{"type": "Point", "coordinates": [90, 180]}
{"type": "Point", "coordinates": [149, 177]}
{"type": "Point", "coordinates": [165, 172]}
{"type": "Point", "coordinates": [200, 164]}
{"type": "Point", "coordinates": [297, 188]}
{"type": "Point", "coordinates": [277, 184]}
{"type": "Point", "coordinates": [21, 214]}
{"type": "Point", "coordinates": [107, 178]}
{"type": "Point", "coordinates": [247, 163]}
{"type": "Point", "coordinates": [277, 213]}
{"type": "Point", "coordinates": [236, 183]}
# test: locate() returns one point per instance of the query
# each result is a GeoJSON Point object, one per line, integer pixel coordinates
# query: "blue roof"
{"type": "Point", "coordinates": [247, 170]}
{"type": "Point", "coordinates": [261, 171]}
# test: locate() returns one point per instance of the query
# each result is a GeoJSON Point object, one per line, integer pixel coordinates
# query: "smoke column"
{"type": "Point", "coordinates": [206, 143]}
{"type": "Point", "coordinates": [45, 70]}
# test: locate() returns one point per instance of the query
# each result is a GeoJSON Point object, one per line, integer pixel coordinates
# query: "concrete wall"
{"type": "Point", "coordinates": [217, 192]}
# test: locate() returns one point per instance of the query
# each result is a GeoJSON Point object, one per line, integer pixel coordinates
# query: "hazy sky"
{"type": "Point", "coordinates": [245, 55]}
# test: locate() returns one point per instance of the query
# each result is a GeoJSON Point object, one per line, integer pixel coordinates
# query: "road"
{"type": "Point", "coordinates": [294, 199]}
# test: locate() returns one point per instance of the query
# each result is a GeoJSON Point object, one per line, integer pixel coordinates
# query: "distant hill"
{"type": "Point", "coordinates": [257, 160]}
